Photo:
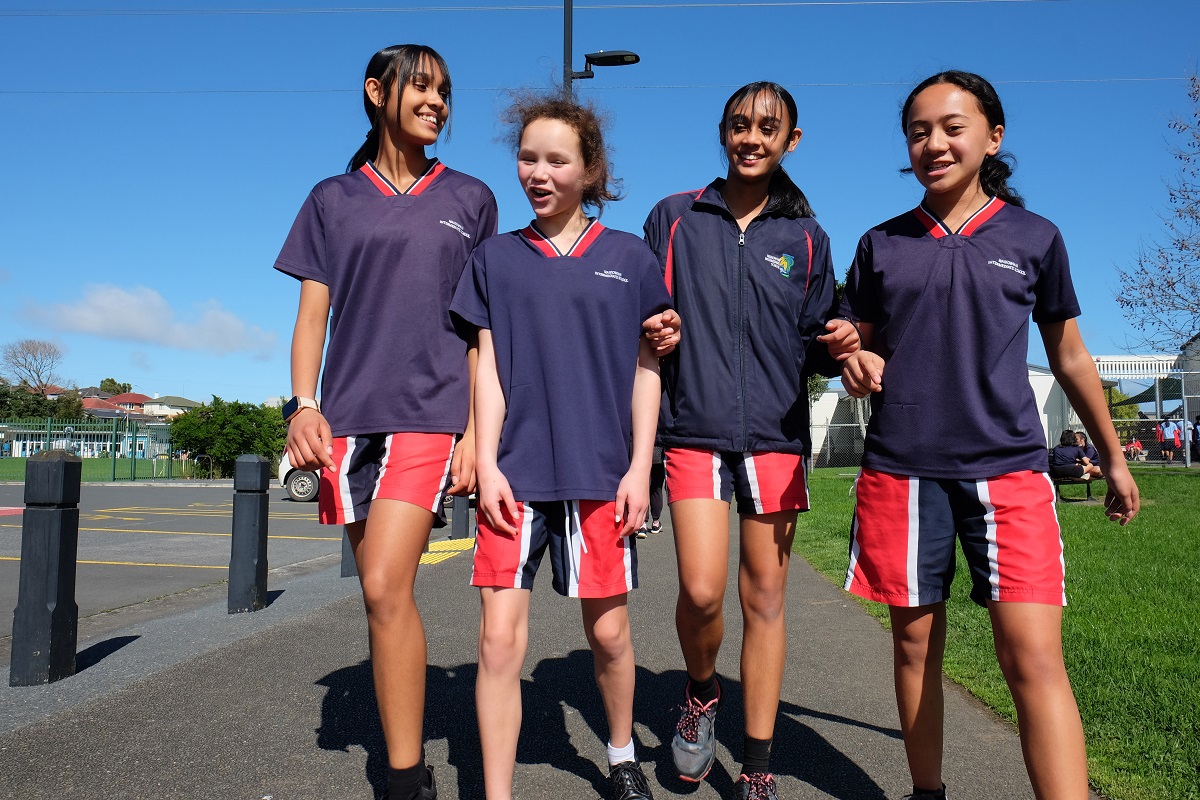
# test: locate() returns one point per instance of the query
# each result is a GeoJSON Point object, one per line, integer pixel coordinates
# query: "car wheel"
{"type": "Point", "coordinates": [302, 486]}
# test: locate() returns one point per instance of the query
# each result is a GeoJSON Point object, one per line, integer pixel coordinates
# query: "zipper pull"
{"type": "Point", "coordinates": [741, 239]}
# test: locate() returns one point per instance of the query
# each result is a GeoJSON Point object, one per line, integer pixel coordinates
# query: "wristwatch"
{"type": "Point", "coordinates": [297, 404]}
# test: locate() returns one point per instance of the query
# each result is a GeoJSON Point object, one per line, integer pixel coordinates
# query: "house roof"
{"type": "Point", "coordinates": [132, 398]}
{"type": "Point", "coordinates": [172, 400]}
{"type": "Point", "coordinates": [96, 403]}
{"type": "Point", "coordinates": [94, 391]}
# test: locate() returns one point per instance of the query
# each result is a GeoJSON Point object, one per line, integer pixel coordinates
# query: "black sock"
{"type": "Point", "coordinates": [756, 755]}
{"type": "Point", "coordinates": [407, 782]}
{"type": "Point", "coordinates": [930, 792]}
{"type": "Point", "coordinates": [705, 691]}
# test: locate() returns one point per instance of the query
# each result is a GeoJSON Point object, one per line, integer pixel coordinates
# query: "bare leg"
{"type": "Point", "coordinates": [702, 549]}
{"type": "Point", "coordinates": [766, 548]}
{"type": "Point", "coordinates": [606, 624]}
{"type": "Point", "coordinates": [1029, 645]}
{"type": "Point", "coordinates": [503, 641]}
{"type": "Point", "coordinates": [918, 645]}
{"type": "Point", "coordinates": [387, 548]}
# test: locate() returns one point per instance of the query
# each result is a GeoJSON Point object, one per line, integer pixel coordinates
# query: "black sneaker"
{"type": "Point", "coordinates": [428, 790]}
{"type": "Point", "coordinates": [626, 781]}
{"type": "Point", "coordinates": [940, 794]}
{"type": "Point", "coordinates": [755, 786]}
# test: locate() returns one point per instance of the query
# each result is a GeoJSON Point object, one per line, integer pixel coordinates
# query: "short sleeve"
{"type": "Point", "coordinates": [860, 301]}
{"type": "Point", "coordinates": [304, 252]}
{"type": "Point", "coordinates": [652, 292]}
{"type": "Point", "coordinates": [470, 301]}
{"type": "Point", "coordinates": [1054, 293]}
{"type": "Point", "coordinates": [486, 221]}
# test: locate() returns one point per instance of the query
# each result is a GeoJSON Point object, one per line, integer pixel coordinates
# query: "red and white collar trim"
{"type": "Point", "coordinates": [385, 186]}
{"type": "Point", "coordinates": [938, 229]}
{"type": "Point", "coordinates": [547, 248]}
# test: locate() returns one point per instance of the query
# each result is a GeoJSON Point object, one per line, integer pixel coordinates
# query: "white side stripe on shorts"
{"type": "Point", "coordinates": [752, 478]}
{"type": "Point", "coordinates": [982, 490]}
{"type": "Point", "coordinates": [344, 480]}
{"type": "Point", "coordinates": [716, 476]}
{"type": "Point", "coordinates": [387, 458]}
{"type": "Point", "coordinates": [526, 535]}
{"type": "Point", "coordinates": [914, 538]}
{"type": "Point", "coordinates": [437, 501]}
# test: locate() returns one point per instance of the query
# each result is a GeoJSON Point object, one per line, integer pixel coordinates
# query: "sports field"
{"type": "Point", "coordinates": [1131, 632]}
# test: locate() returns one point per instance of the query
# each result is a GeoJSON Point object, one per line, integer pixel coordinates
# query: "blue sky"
{"type": "Point", "coordinates": [152, 163]}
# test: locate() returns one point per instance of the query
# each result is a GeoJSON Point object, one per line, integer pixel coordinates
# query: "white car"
{"type": "Point", "coordinates": [301, 484]}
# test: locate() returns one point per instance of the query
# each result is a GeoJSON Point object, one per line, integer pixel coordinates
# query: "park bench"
{"type": "Point", "coordinates": [1060, 482]}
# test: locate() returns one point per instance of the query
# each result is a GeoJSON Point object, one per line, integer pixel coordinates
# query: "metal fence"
{"type": "Point", "coordinates": [111, 449]}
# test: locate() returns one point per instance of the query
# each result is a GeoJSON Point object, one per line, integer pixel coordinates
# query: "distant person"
{"type": "Point", "coordinates": [378, 252]}
{"type": "Point", "coordinates": [658, 474]}
{"type": "Point", "coordinates": [1196, 440]}
{"type": "Point", "coordinates": [943, 295]}
{"type": "Point", "coordinates": [1089, 452]}
{"type": "Point", "coordinates": [1134, 450]}
{"type": "Point", "coordinates": [1067, 460]}
{"type": "Point", "coordinates": [1168, 439]}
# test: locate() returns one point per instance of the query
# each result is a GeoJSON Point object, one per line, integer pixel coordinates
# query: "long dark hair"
{"type": "Point", "coordinates": [786, 197]}
{"type": "Point", "coordinates": [599, 185]}
{"type": "Point", "coordinates": [394, 67]}
{"type": "Point", "coordinates": [995, 170]}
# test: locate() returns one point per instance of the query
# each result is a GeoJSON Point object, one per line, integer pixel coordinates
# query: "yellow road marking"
{"type": "Point", "coordinates": [454, 545]}
{"type": "Point", "coordinates": [198, 533]}
{"type": "Point", "coordinates": [437, 558]}
{"type": "Point", "coordinates": [130, 563]}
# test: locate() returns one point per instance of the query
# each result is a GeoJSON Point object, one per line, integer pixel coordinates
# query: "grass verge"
{"type": "Point", "coordinates": [1131, 634]}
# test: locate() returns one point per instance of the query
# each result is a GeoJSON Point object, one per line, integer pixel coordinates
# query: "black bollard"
{"type": "Point", "coordinates": [46, 620]}
{"type": "Point", "coordinates": [248, 553]}
{"type": "Point", "coordinates": [349, 565]}
{"type": "Point", "coordinates": [460, 523]}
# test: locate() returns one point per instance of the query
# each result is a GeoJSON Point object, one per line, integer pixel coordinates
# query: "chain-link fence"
{"type": "Point", "coordinates": [111, 449]}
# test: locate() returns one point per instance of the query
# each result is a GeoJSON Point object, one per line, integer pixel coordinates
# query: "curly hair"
{"type": "Point", "coordinates": [599, 185]}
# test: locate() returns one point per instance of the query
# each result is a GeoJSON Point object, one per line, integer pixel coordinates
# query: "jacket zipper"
{"type": "Point", "coordinates": [742, 338]}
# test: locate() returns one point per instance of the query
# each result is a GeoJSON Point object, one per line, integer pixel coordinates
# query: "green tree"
{"type": "Point", "coordinates": [19, 401]}
{"type": "Point", "coordinates": [1161, 291]}
{"type": "Point", "coordinates": [227, 430]}
{"type": "Point", "coordinates": [68, 405]}
{"type": "Point", "coordinates": [111, 386]}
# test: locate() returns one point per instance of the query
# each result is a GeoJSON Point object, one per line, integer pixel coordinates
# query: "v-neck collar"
{"type": "Point", "coordinates": [547, 248]}
{"type": "Point", "coordinates": [938, 229]}
{"type": "Point", "coordinates": [387, 188]}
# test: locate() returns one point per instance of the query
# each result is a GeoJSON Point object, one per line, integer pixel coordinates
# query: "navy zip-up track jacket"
{"type": "Point", "coordinates": [752, 305]}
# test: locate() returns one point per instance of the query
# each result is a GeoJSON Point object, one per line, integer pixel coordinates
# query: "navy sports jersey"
{"type": "Point", "coordinates": [566, 329]}
{"type": "Point", "coordinates": [951, 314]}
{"type": "Point", "coordinates": [391, 261]}
{"type": "Point", "coordinates": [752, 304]}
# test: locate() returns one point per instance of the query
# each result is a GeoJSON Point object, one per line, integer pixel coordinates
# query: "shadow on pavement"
{"type": "Point", "coordinates": [96, 653]}
{"type": "Point", "coordinates": [563, 685]}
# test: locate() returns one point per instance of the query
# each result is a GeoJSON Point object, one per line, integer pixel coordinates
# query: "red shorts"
{"type": "Point", "coordinates": [587, 556]}
{"type": "Point", "coordinates": [902, 540]}
{"type": "Point", "coordinates": [413, 467]}
{"type": "Point", "coordinates": [763, 483]}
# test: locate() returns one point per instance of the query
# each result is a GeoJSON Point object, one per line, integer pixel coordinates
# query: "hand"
{"type": "Point", "coordinates": [633, 501]}
{"type": "Point", "coordinates": [1122, 502]}
{"type": "Point", "coordinates": [663, 331]}
{"type": "Point", "coordinates": [862, 373]}
{"type": "Point", "coordinates": [842, 339]}
{"type": "Point", "coordinates": [462, 466]}
{"type": "Point", "coordinates": [496, 498]}
{"type": "Point", "coordinates": [309, 441]}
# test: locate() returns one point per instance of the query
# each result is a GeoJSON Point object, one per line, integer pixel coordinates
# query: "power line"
{"type": "Point", "coordinates": [653, 87]}
{"type": "Point", "coordinates": [212, 12]}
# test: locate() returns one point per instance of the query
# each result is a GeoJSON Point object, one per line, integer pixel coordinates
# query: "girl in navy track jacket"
{"type": "Point", "coordinates": [749, 270]}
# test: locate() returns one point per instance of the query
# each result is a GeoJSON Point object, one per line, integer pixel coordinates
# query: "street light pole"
{"type": "Point", "coordinates": [568, 71]}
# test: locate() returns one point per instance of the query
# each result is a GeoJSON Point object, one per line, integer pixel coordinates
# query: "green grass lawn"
{"type": "Point", "coordinates": [101, 469]}
{"type": "Point", "coordinates": [1131, 633]}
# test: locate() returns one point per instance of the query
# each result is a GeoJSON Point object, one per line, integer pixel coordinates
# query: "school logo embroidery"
{"type": "Point", "coordinates": [449, 223]}
{"type": "Point", "coordinates": [783, 263]}
{"type": "Point", "coordinates": [612, 273]}
{"type": "Point", "coordinates": [1004, 263]}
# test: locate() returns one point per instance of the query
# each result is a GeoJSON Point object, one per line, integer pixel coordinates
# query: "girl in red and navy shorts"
{"type": "Point", "coordinates": [955, 447]}
{"type": "Point", "coordinates": [566, 398]}
{"type": "Point", "coordinates": [749, 271]}
{"type": "Point", "coordinates": [378, 252]}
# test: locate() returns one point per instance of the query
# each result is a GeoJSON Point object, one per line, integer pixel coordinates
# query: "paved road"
{"type": "Point", "coordinates": [279, 703]}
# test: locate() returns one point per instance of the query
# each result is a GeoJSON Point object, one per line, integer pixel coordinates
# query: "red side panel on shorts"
{"type": "Point", "coordinates": [777, 481]}
{"type": "Point", "coordinates": [500, 558]}
{"type": "Point", "coordinates": [884, 522]}
{"type": "Point", "coordinates": [692, 474]}
{"type": "Point", "coordinates": [604, 566]}
{"type": "Point", "coordinates": [1025, 543]}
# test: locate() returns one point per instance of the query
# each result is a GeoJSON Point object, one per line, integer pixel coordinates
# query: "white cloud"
{"type": "Point", "coordinates": [141, 314]}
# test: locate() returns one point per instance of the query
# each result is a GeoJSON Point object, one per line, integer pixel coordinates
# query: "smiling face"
{"type": "Point", "coordinates": [757, 134]}
{"type": "Point", "coordinates": [948, 138]}
{"type": "Point", "coordinates": [551, 169]}
{"type": "Point", "coordinates": [416, 112]}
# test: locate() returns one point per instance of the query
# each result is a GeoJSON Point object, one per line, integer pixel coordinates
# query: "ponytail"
{"type": "Point", "coordinates": [787, 198]}
{"type": "Point", "coordinates": [993, 177]}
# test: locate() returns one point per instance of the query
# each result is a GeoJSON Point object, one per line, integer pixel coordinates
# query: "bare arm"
{"type": "Point", "coordinates": [1076, 373]}
{"type": "Point", "coordinates": [309, 441]}
{"type": "Point", "coordinates": [462, 466]}
{"type": "Point", "coordinates": [633, 493]}
{"type": "Point", "coordinates": [495, 495]}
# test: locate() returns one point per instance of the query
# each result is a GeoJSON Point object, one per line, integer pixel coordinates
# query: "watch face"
{"type": "Point", "coordinates": [290, 408]}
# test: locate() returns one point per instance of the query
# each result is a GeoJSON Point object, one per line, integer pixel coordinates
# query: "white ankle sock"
{"type": "Point", "coordinates": [617, 755]}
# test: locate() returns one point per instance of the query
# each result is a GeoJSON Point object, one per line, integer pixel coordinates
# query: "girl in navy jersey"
{"type": "Point", "coordinates": [749, 271]}
{"type": "Point", "coordinates": [566, 400]}
{"type": "Point", "coordinates": [378, 252]}
{"type": "Point", "coordinates": [943, 295]}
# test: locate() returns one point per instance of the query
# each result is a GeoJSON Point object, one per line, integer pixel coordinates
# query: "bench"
{"type": "Point", "coordinates": [1060, 482]}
